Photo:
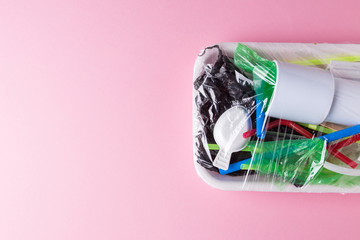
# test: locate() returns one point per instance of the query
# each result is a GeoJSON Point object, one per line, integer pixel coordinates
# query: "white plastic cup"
{"type": "Point", "coordinates": [302, 94]}
{"type": "Point", "coordinates": [345, 107]}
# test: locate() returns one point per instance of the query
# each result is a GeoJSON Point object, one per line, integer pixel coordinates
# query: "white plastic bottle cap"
{"type": "Point", "coordinates": [302, 94]}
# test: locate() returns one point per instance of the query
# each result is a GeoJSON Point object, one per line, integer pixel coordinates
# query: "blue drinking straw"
{"type": "Point", "coordinates": [234, 167]}
{"type": "Point", "coordinates": [260, 119]}
{"type": "Point", "coordinates": [347, 132]}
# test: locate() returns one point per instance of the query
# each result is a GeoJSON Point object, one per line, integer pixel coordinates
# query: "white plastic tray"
{"type": "Point", "coordinates": [279, 50]}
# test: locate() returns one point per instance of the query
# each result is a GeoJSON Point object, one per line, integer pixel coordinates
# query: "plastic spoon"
{"type": "Point", "coordinates": [228, 134]}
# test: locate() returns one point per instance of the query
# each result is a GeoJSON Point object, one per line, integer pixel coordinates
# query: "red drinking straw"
{"type": "Point", "coordinates": [345, 142]}
{"type": "Point", "coordinates": [342, 157]}
{"type": "Point", "coordinates": [278, 122]}
{"type": "Point", "coordinates": [331, 149]}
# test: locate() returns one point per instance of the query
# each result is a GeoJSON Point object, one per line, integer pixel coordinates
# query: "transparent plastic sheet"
{"type": "Point", "coordinates": [234, 87]}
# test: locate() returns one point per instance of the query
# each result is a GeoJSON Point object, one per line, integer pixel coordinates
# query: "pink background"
{"type": "Point", "coordinates": [96, 123]}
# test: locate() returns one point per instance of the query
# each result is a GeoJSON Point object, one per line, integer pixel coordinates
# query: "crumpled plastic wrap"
{"type": "Point", "coordinates": [287, 155]}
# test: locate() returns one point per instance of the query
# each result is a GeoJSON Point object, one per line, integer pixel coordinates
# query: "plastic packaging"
{"type": "Point", "coordinates": [259, 117]}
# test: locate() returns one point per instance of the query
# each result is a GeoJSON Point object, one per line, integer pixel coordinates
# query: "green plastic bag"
{"type": "Point", "coordinates": [261, 70]}
{"type": "Point", "coordinates": [296, 161]}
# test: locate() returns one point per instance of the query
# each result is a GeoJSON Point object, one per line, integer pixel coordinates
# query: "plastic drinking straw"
{"type": "Point", "coordinates": [342, 144]}
{"type": "Point", "coordinates": [278, 122]}
{"type": "Point", "coordinates": [247, 167]}
{"type": "Point", "coordinates": [347, 132]}
{"type": "Point", "coordinates": [338, 135]}
{"type": "Point", "coordinates": [342, 157]}
{"type": "Point", "coordinates": [260, 119]}
{"type": "Point", "coordinates": [345, 142]}
{"type": "Point", "coordinates": [322, 129]}
{"type": "Point", "coordinates": [317, 128]}
{"type": "Point", "coordinates": [235, 166]}
{"type": "Point", "coordinates": [310, 62]}
{"type": "Point", "coordinates": [213, 146]}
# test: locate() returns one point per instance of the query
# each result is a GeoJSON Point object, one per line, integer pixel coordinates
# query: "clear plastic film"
{"type": "Point", "coordinates": [278, 117]}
